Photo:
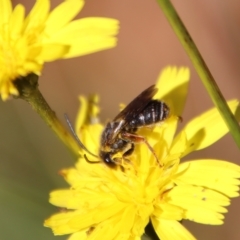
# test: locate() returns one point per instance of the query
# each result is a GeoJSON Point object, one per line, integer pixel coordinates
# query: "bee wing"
{"type": "Point", "coordinates": [136, 106]}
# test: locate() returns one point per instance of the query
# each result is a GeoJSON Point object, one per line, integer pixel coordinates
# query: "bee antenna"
{"type": "Point", "coordinates": [76, 137]}
{"type": "Point", "coordinates": [85, 156]}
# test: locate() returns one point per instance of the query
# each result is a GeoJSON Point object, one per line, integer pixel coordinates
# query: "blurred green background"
{"type": "Point", "coordinates": [31, 155]}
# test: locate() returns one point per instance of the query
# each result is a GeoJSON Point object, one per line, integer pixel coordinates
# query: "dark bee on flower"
{"type": "Point", "coordinates": [120, 135]}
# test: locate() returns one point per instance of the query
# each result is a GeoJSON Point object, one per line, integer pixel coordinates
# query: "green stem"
{"type": "Point", "coordinates": [28, 91]}
{"type": "Point", "coordinates": [201, 68]}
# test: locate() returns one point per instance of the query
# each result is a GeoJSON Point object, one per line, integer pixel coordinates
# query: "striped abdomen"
{"type": "Point", "coordinates": [154, 112]}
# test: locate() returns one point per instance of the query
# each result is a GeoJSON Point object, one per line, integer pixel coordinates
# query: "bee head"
{"type": "Point", "coordinates": [107, 159]}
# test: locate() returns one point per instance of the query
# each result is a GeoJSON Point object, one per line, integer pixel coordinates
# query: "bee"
{"type": "Point", "coordinates": [120, 135]}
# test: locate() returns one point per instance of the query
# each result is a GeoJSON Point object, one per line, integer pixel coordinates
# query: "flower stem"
{"type": "Point", "coordinates": [201, 68]}
{"type": "Point", "coordinates": [28, 91]}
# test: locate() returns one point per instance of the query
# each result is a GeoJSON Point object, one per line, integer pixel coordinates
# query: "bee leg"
{"type": "Point", "coordinates": [139, 139]}
{"type": "Point", "coordinates": [119, 163]}
{"type": "Point", "coordinates": [129, 151]}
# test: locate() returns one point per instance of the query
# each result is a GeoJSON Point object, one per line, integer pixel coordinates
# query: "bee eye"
{"type": "Point", "coordinates": [133, 122]}
{"type": "Point", "coordinates": [108, 160]}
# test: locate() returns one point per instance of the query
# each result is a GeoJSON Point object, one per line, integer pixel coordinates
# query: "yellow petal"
{"type": "Point", "coordinates": [6, 10]}
{"type": "Point", "coordinates": [37, 15]}
{"type": "Point", "coordinates": [82, 197]}
{"type": "Point", "coordinates": [60, 223]}
{"type": "Point", "coordinates": [218, 175]}
{"type": "Point", "coordinates": [204, 216]}
{"type": "Point", "coordinates": [178, 147]}
{"type": "Point", "coordinates": [161, 138]}
{"type": "Point", "coordinates": [7, 89]}
{"type": "Point", "coordinates": [171, 230]}
{"type": "Point", "coordinates": [90, 44]}
{"type": "Point", "coordinates": [63, 14]}
{"type": "Point", "coordinates": [88, 35]}
{"type": "Point", "coordinates": [82, 113]}
{"type": "Point", "coordinates": [101, 231]}
{"type": "Point", "coordinates": [49, 52]}
{"type": "Point", "coordinates": [91, 218]}
{"type": "Point", "coordinates": [207, 128]}
{"type": "Point", "coordinates": [79, 235]}
{"type": "Point", "coordinates": [201, 205]}
{"type": "Point", "coordinates": [70, 175]}
{"type": "Point", "coordinates": [87, 27]}
{"type": "Point", "coordinates": [16, 21]}
{"type": "Point", "coordinates": [173, 86]}
{"type": "Point", "coordinates": [129, 215]}
{"type": "Point", "coordinates": [168, 211]}
{"type": "Point", "coordinates": [88, 111]}
{"type": "Point", "coordinates": [30, 66]}
{"type": "Point", "coordinates": [90, 136]}
{"type": "Point", "coordinates": [169, 130]}
{"type": "Point", "coordinates": [61, 198]}
{"type": "Point", "coordinates": [164, 131]}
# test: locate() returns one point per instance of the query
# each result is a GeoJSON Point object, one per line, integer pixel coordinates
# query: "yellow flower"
{"type": "Point", "coordinates": [43, 36]}
{"type": "Point", "coordinates": [106, 203]}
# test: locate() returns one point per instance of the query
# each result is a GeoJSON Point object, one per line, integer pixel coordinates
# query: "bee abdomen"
{"type": "Point", "coordinates": [154, 112]}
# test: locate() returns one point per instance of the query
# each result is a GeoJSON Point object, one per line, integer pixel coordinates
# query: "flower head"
{"type": "Point", "coordinates": [43, 36]}
{"type": "Point", "coordinates": [106, 203]}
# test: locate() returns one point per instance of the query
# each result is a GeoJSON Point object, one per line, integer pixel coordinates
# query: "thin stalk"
{"type": "Point", "coordinates": [201, 68]}
{"type": "Point", "coordinates": [28, 91]}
